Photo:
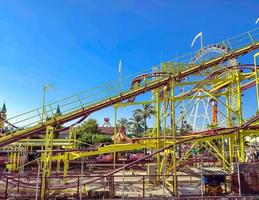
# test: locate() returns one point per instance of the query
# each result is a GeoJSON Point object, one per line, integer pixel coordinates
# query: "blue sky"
{"type": "Point", "coordinates": [76, 45]}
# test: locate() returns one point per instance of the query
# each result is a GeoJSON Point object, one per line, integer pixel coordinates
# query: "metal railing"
{"type": "Point", "coordinates": [126, 185]}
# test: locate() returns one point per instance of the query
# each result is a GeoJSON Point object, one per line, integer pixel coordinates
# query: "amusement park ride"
{"type": "Point", "coordinates": [204, 89]}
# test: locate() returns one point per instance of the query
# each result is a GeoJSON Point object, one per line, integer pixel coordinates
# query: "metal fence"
{"type": "Point", "coordinates": [117, 186]}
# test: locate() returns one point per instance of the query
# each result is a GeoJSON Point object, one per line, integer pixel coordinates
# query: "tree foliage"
{"type": "Point", "coordinates": [137, 125]}
{"type": "Point", "coordinates": [89, 133]}
{"type": "Point", "coordinates": [146, 112]}
{"type": "Point", "coordinates": [125, 123]}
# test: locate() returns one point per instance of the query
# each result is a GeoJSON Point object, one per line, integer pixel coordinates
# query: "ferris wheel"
{"type": "Point", "coordinates": [203, 111]}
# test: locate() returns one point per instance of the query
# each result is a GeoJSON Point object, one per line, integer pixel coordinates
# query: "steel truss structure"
{"type": "Point", "coordinates": [217, 82]}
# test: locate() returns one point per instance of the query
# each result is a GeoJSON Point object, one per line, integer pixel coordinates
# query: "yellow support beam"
{"type": "Point", "coordinates": [108, 149]}
{"type": "Point", "coordinates": [217, 151]}
{"type": "Point", "coordinates": [47, 159]}
{"type": "Point", "coordinates": [256, 80]}
{"type": "Point", "coordinates": [173, 129]}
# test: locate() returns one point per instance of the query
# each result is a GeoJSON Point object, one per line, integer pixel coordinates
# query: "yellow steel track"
{"type": "Point", "coordinates": [86, 110]}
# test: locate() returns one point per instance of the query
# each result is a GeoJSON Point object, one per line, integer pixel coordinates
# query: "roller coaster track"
{"type": "Point", "coordinates": [142, 77]}
{"type": "Point", "coordinates": [244, 126]}
{"type": "Point", "coordinates": [85, 110]}
{"type": "Point", "coordinates": [224, 85]}
{"type": "Point", "coordinates": [202, 137]}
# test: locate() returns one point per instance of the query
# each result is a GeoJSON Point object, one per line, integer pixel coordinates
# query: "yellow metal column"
{"type": "Point", "coordinates": [256, 81]}
{"type": "Point", "coordinates": [115, 134]}
{"type": "Point", "coordinates": [164, 161]}
{"type": "Point", "coordinates": [228, 120]}
{"type": "Point", "coordinates": [17, 159]}
{"type": "Point", "coordinates": [66, 166]}
{"type": "Point", "coordinates": [158, 131]}
{"type": "Point", "coordinates": [14, 161]}
{"type": "Point", "coordinates": [240, 119]}
{"type": "Point", "coordinates": [47, 159]}
{"type": "Point", "coordinates": [72, 137]}
{"type": "Point", "coordinates": [223, 153]}
{"type": "Point", "coordinates": [173, 132]}
{"type": "Point", "coordinates": [10, 160]}
{"type": "Point", "coordinates": [72, 140]}
{"type": "Point", "coordinates": [164, 113]}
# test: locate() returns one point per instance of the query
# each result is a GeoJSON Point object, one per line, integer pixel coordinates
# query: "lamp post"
{"type": "Point", "coordinates": [46, 87]}
{"type": "Point", "coordinates": [196, 37]}
{"type": "Point", "coordinates": [120, 74]}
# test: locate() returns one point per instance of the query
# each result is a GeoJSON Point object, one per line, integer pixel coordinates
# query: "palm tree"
{"type": "Point", "coordinates": [123, 122]}
{"type": "Point", "coordinates": [146, 112]}
{"type": "Point", "coordinates": [137, 124]}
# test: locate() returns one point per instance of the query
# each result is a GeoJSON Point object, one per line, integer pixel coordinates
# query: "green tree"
{"type": "Point", "coordinates": [89, 126]}
{"type": "Point", "coordinates": [123, 122]}
{"type": "Point", "coordinates": [89, 133]}
{"type": "Point", "coordinates": [137, 124]}
{"type": "Point", "coordinates": [146, 112]}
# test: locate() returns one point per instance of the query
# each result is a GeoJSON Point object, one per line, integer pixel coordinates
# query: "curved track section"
{"type": "Point", "coordinates": [137, 81]}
